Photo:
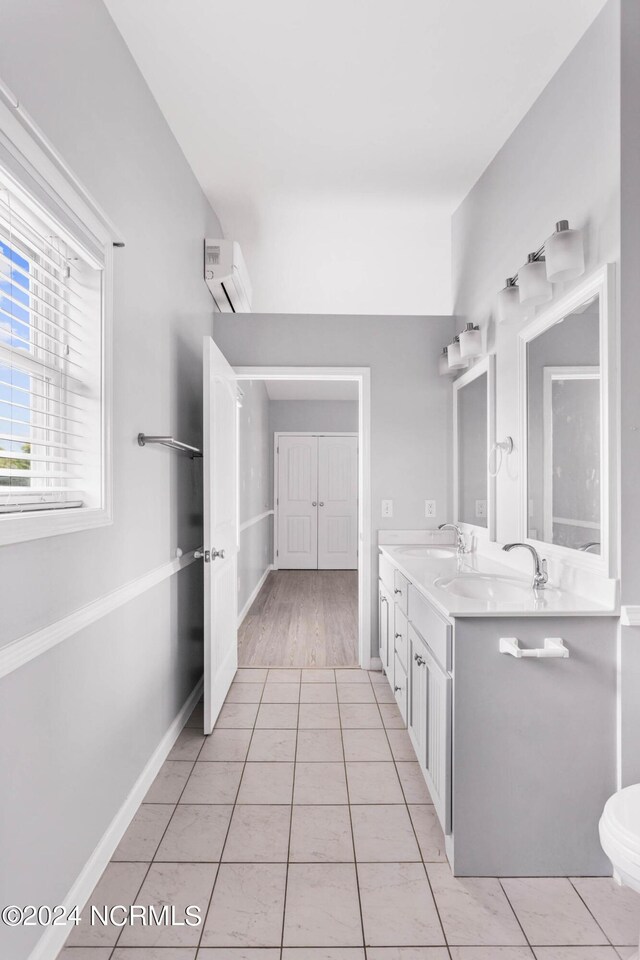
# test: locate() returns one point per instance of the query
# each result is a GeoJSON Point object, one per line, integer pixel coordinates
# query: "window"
{"type": "Point", "coordinates": [53, 414]}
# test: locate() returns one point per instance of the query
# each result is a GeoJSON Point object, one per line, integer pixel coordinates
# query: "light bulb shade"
{"type": "Point", "coordinates": [509, 307]}
{"type": "Point", "coordinates": [443, 363]}
{"type": "Point", "coordinates": [533, 283]}
{"type": "Point", "coordinates": [564, 252]}
{"type": "Point", "coordinates": [453, 355]}
{"type": "Point", "coordinates": [470, 342]}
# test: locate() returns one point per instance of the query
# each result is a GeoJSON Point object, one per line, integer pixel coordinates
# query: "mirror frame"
{"type": "Point", "coordinates": [485, 365]}
{"type": "Point", "coordinates": [601, 284]}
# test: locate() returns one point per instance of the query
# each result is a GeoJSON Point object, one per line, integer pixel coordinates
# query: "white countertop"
{"type": "Point", "coordinates": [549, 602]}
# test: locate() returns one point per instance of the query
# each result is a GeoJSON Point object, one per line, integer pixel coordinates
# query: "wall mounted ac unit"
{"type": "Point", "coordinates": [225, 273]}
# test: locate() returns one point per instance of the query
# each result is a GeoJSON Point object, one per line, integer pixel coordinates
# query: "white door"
{"type": "Point", "coordinates": [298, 503]}
{"type": "Point", "coordinates": [220, 530]}
{"type": "Point", "coordinates": [337, 503]}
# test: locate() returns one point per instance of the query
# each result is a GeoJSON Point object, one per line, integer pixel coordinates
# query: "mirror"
{"type": "Point", "coordinates": [564, 429]}
{"type": "Point", "coordinates": [473, 412]}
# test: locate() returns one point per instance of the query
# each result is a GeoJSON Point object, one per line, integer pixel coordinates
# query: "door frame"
{"type": "Point", "coordinates": [299, 433]}
{"type": "Point", "coordinates": [362, 377]}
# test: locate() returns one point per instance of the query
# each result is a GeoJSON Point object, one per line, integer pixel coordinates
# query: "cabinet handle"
{"type": "Point", "coordinates": [313, 503]}
{"type": "Point", "coordinates": [397, 590]}
{"type": "Point", "coordinates": [398, 635]}
{"type": "Point", "coordinates": [418, 659]}
{"type": "Point", "coordinates": [397, 689]}
{"type": "Point", "coordinates": [383, 599]}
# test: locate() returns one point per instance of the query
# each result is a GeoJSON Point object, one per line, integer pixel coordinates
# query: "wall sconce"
{"type": "Point", "coordinates": [470, 342]}
{"type": "Point", "coordinates": [564, 251]}
{"type": "Point", "coordinates": [509, 307]}
{"type": "Point", "coordinates": [560, 258]}
{"type": "Point", "coordinates": [534, 286]}
{"type": "Point", "coordinates": [443, 363]}
{"type": "Point", "coordinates": [453, 355]}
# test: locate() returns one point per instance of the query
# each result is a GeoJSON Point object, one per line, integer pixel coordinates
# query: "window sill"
{"type": "Point", "coordinates": [53, 523]}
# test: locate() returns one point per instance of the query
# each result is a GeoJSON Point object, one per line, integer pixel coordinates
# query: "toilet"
{"type": "Point", "coordinates": [620, 836]}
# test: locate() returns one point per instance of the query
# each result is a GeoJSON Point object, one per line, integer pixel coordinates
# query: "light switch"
{"type": "Point", "coordinates": [429, 508]}
{"type": "Point", "coordinates": [387, 508]}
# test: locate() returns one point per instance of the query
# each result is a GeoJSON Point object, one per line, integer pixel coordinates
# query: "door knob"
{"type": "Point", "coordinates": [321, 504]}
{"type": "Point", "coordinates": [217, 553]}
{"type": "Point", "coordinates": [202, 555]}
{"type": "Point", "coordinates": [418, 659]}
{"type": "Point", "coordinates": [313, 503]}
{"type": "Point", "coordinates": [397, 689]}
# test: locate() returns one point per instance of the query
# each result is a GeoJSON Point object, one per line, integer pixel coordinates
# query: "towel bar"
{"type": "Point", "coordinates": [194, 452]}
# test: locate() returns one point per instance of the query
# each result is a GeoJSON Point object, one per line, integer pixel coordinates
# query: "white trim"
{"type": "Point", "coordinates": [485, 366]}
{"type": "Point", "coordinates": [34, 164]}
{"type": "Point", "coordinates": [27, 136]}
{"type": "Point", "coordinates": [362, 375]}
{"type": "Point", "coordinates": [376, 664]}
{"type": "Point", "coordinates": [250, 523]}
{"type": "Point", "coordinates": [630, 615]}
{"type": "Point", "coordinates": [600, 283]}
{"type": "Point", "coordinates": [254, 593]}
{"type": "Point", "coordinates": [53, 939]}
{"type": "Point", "coordinates": [20, 651]}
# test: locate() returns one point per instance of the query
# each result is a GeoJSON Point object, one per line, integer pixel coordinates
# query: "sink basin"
{"type": "Point", "coordinates": [423, 552]}
{"type": "Point", "coordinates": [480, 586]}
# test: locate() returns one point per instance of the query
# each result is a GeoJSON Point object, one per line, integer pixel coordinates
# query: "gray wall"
{"type": "Point", "coordinates": [630, 392]}
{"type": "Point", "coordinates": [86, 716]}
{"type": "Point", "coordinates": [562, 161]}
{"type": "Point", "coordinates": [410, 403]}
{"type": "Point", "coordinates": [330, 416]}
{"type": "Point", "coordinates": [255, 488]}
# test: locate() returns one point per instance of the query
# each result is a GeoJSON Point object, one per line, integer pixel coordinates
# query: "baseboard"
{"type": "Point", "coordinates": [53, 939]}
{"type": "Point", "coordinates": [375, 663]}
{"type": "Point", "coordinates": [254, 593]}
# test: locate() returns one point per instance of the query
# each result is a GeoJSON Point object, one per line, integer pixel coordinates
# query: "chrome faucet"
{"type": "Point", "coordinates": [540, 575]}
{"type": "Point", "coordinates": [461, 543]}
{"type": "Point", "coordinates": [588, 547]}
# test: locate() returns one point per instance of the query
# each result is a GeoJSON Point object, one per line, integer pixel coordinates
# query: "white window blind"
{"type": "Point", "coordinates": [50, 362]}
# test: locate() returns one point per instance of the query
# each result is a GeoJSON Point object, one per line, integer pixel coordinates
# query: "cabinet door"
{"type": "Point", "coordinates": [438, 738]}
{"type": "Point", "coordinates": [417, 707]}
{"type": "Point", "coordinates": [384, 617]}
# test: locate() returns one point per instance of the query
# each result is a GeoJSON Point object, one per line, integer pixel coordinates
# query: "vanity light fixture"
{"type": "Point", "coordinates": [471, 342]}
{"type": "Point", "coordinates": [509, 307]}
{"type": "Point", "coordinates": [564, 251]}
{"type": "Point", "coordinates": [534, 286]}
{"type": "Point", "coordinates": [443, 363]}
{"type": "Point", "coordinates": [455, 361]}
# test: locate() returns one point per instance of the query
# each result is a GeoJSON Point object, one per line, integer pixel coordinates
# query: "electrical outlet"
{"type": "Point", "coordinates": [387, 508]}
{"type": "Point", "coordinates": [429, 509]}
{"type": "Point", "coordinates": [481, 509]}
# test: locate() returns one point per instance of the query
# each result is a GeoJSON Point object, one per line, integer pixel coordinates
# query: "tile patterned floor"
{"type": "Point", "coordinates": [303, 829]}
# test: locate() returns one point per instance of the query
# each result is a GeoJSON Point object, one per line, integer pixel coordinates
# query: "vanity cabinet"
{"type": "Point", "coordinates": [518, 754]}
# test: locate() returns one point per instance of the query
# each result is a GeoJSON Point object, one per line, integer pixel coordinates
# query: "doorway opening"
{"type": "Point", "coordinates": [303, 500]}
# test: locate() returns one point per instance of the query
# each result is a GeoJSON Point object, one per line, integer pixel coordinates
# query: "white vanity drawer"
{"type": "Point", "coordinates": [386, 571]}
{"type": "Point", "coordinates": [400, 590]}
{"type": "Point", "coordinates": [401, 636]}
{"type": "Point", "coordinates": [400, 687]}
{"type": "Point", "coordinates": [435, 631]}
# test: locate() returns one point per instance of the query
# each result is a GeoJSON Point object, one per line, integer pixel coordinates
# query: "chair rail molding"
{"type": "Point", "coordinates": [20, 651]}
{"type": "Point", "coordinates": [253, 520]}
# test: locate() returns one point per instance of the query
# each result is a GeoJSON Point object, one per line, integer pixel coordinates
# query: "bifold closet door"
{"type": "Point", "coordinates": [337, 503]}
{"type": "Point", "coordinates": [298, 503]}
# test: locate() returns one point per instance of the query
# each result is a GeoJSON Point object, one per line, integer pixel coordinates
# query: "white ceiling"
{"type": "Point", "coordinates": [334, 139]}
{"type": "Point", "coordinates": [312, 389]}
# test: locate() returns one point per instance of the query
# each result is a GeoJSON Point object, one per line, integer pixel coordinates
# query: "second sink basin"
{"type": "Point", "coordinates": [481, 586]}
{"type": "Point", "coordinates": [423, 552]}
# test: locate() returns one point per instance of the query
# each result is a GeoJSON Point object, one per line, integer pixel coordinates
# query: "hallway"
{"type": "Point", "coordinates": [303, 830]}
{"type": "Point", "coordinates": [302, 618]}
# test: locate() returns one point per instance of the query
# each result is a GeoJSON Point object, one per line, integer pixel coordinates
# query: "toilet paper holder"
{"type": "Point", "coordinates": [553, 648]}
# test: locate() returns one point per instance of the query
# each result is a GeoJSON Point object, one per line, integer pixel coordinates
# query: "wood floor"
{"type": "Point", "coordinates": [302, 618]}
